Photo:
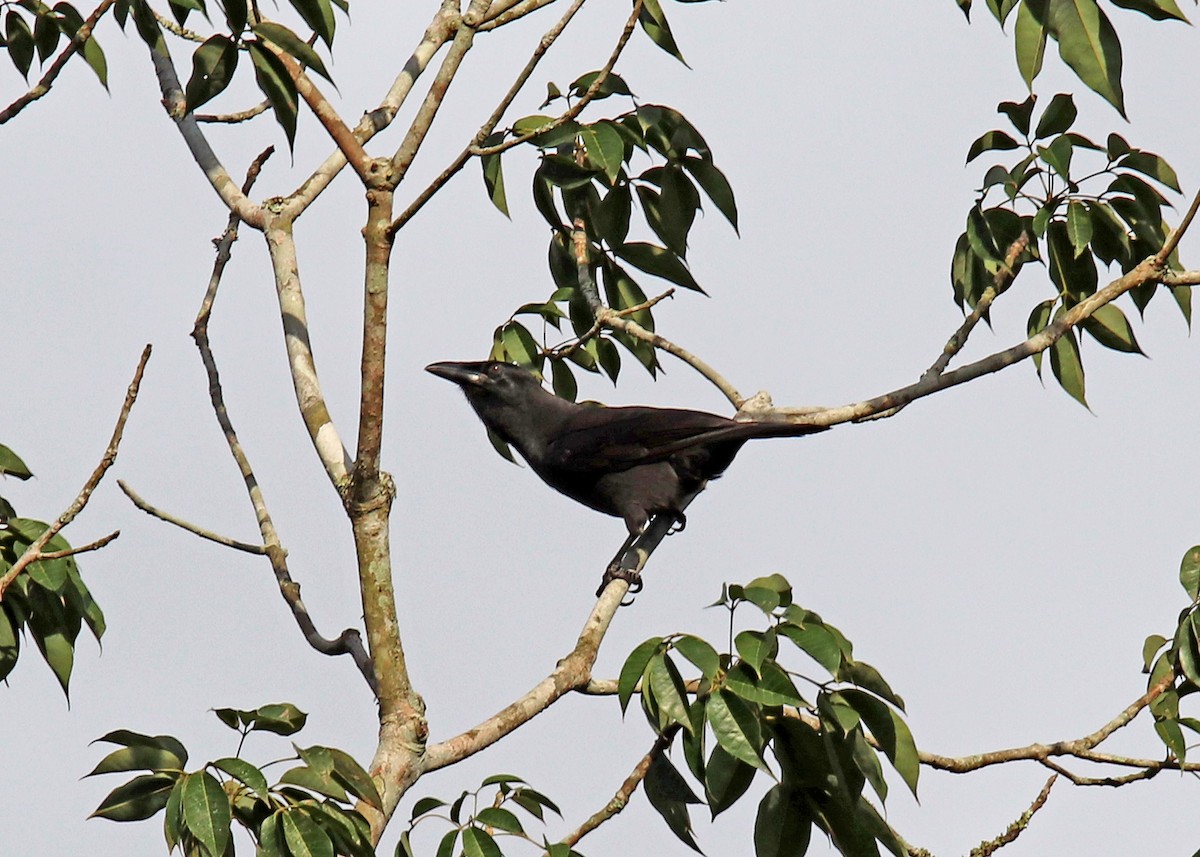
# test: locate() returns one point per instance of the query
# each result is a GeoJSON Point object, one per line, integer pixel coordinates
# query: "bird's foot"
{"type": "Point", "coordinates": [629, 575]}
{"type": "Point", "coordinates": [679, 525]}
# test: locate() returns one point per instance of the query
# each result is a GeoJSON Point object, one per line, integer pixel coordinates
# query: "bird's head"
{"type": "Point", "coordinates": [488, 379]}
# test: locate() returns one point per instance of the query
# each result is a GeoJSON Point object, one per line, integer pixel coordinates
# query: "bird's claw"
{"type": "Point", "coordinates": [629, 575]}
{"type": "Point", "coordinates": [679, 525]}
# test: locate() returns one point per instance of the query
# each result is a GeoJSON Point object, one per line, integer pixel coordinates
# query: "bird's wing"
{"type": "Point", "coordinates": [613, 439]}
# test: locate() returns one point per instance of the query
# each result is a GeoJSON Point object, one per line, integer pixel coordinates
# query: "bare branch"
{"type": "Point", "coordinates": [621, 799]}
{"type": "Point", "coordinates": [176, 106]}
{"type": "Point", "coordinates": [34, 552]}
{"type": "Point", "coordinates": [439, 31]}
{"type": "Point", "coordinates": [419, 129]}
{"type": "Point", "coordinates": [457, 164]}
{"type": "Point", "coordinates": [47, 80]}
{"type": "Point", "coordinates": [170, 26]}
{"type": "Point", "coordinates": [234, 118]}
{"type": "Point", "coordinates": [195, 530]}
{"type": "Point", "coordinates": [90, 546]}
{"type": "Point", "coordinates": [321, 430]}
{"type": "Point", "coordinates": [507, 11]}
{"type": "Point", "coordinates": [572, 672]}
{"type": "Point", "coordinates": [583, 101]}
{"type": "Point", "coordinates": [985, 849]}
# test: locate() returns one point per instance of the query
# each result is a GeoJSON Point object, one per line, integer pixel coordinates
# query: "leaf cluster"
{"type": "Point", "coordinates": [242, 31]}
{"type": "Point", "coordinates": [308, 812]}
{"type": "Point", "coordinates": [1178, 656]}
{"type": "Point", "coordinates": [1087, 41]}
{"type": "Point", "coordinates": [48, 600]}
{"type": "Point", "coordinates": [1077, 205]}
{"type": "Point", "coordinates": [479, 818]}
{"type": "Point", "coordinates": [744, 709]}
{"type": "Point", "coordinates": [587, 175]}
{"type": "Point", "coordinates": [33, 28]}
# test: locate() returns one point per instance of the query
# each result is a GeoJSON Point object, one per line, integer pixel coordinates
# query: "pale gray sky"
{"type": "Point", "coordinates": [998, 552]}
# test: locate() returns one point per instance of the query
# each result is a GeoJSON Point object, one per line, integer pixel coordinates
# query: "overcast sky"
{"type": "Point", "coordinates": [998, 552]}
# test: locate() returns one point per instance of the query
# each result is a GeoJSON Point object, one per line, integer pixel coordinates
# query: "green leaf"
{"type": "Point", "coordinates": [206, 811]}
{"type": "Point", "coordinates": [446, 845]}
{"type": "Point", "coordinates": [478, 843]}
{"type": "Point", "coordinates": [351, 774]}
{"type": "Point", "coordinates": [276, 84]}
{"type": "Point", "coordinates": [1172, 737]}
{"type": "Point", "coordinates": [140, 757]}
{"type": "Point", "coordinates": [493, 176]}
{"type": "Point", "coordinates": [714, 184]}
{"type": "Point", "coordinates": [93, 55]}
{"type": "Point", "coordinates": [635, 665]}
{"type": "Point", "coordinates": [1159, 10]}
{"type": "Point", "coordinates": [783, 826]}
{"type": "Point", "coordinates": [1110, 328]}
{"type": "Point", "coordinates": [1150, 164]}
{"type": "Point", "coordinates": [1110, 236]}
{"type": "Point", "coordinates": [245, 773]}
{"type": "Point", "coordinates": [425, 805]}
{"type": "Point", "coordinates": [279, 718]}
{"type": "Point", "coordinates": [138, 799]}
{"type": "Point", "coordinates": [213, 65]}
{"type": "Point", "coordinates": [613, 84]}
{"type": "Point", "coordinates": [654, 23]}
{"type": "Point", "coordinates": [1088, 44]}
{"type": "Point", "coordinates": [658, 261]}
{"type": "Point", "coordinates": [292, 45]}
{"type": "Point", "coordinates": [1186, 654]}
{"type": "Point", "coordinates": [892, 733]}
{"type": "Point", "coordinates": [817, 642]}
{"type": "Point", "coordinates": [754, 647]}
{"type": "Point", "coordinates": [315, 781]}
{"type": "Point", "coordinates": [318, 14]}
{"type": "Point", "coordinates": [12, 465]}
{"type": "Point", "coordinates": [1079, 226]}
{"type": "Point", "coordinates": [1019, 114]}
{"type": "Point", "coordinates": [725, 780]}
{"type": "Point", "coordinates": [528, 798]}
{"type": "Point", "coordinates": [868, 678]}
{"type": "Point", "coordinates": [1067, 366]}
{"type": "Point", "coordinates": [20, 42]}
{"type": "Point", "coordinates": [1151, 648]}
{"type": "Point", "coordinates": [736, 728]}
{"type": "Point", "coordinates": [1058, 155]}
{"type": "Point", "coordinates": [1057, 118]}
{"type": "Point", "coordinates": [302, 835]}
{"type": "Point", "coordinates": [519, 344]}
{"type": "Point", "coordinates": [1029, 40]}
{"type": "Point", "coordinates": [990, 141]}
{"type": "Point", "coordinates": [670, 794]}
{"type": "Point", "coordinates": [666, 685]}
{"type": "Point", "coordinates": [10, 643]}
{"type": "Point", "coordinates": [772, 688]}
{"type": "Point", "coordinates": [1189, 572]}
{"type": "Point", "coordinates": [700, 653]}
{"type": "Point", "coordinates": [499, 818]}
{"type": "Point", "coordinates": [605, 148]}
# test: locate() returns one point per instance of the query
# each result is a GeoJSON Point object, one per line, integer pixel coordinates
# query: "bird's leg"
{"type": "Point", "coordinates": [623, 566]}
{"type": "Point", "coordinates": [679, 525]}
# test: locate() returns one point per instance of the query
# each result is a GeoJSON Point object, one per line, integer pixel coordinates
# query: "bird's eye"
{"type": "Point", "coordinates": [495, 369]}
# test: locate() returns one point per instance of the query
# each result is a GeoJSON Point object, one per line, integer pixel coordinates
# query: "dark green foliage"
{"type": "Point", "coordinates": [308, 812]}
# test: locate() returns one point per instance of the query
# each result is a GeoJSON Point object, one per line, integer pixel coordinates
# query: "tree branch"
{"type": "Point", "coordinates": [507, 11]}
{"type": "Point", "coordinates": [419, 129]}
{"type": "Point", "coordinates": [234, 118]}
{"type": "Point", "coordinates": [985, 849]}
{"type": "Point", "coordinates": [439, 31]}
{"type": "Point", "coordinates": [47, 80]}
{"type": "Point", "coordinates": [176, 105]}
{"type": "Point", "coordinates": [621, 799]}
{"type": "Point", "coordinates": [572, 672]}
{"type": "Point", "coordinates": [321, 430]}
{"type": "Point", "coordinates": [457, 164]}
{"type": "Point", "coordinates": [33, 553]}
{"type": "Point", "coordinates": [155, 512]}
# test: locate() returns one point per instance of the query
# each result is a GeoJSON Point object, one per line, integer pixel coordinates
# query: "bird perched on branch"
{"type": "Point", "coordinates": [630, 462]}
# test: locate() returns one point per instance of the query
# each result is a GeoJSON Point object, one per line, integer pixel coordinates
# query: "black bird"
{"type": "Point", "coordinates": [631, 462]}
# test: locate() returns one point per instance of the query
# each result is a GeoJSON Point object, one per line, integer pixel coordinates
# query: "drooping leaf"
{"type": "Point", "coordinates": [783, 826]}
{"type": "Point", "coordinates": [1088, 44]}
{"type": "Point", "coordinates": [245, 773]}
{"type": "Point", "coordinates": [633, 669]}
{"type": "Point", "coordinates": [892, 733]}
{"type": "Point", "coordinates": [292, 45]}
{"type": "Point", "coordinates": [1019, 113]}
{"type": "Point", "coordinates": [990, 141]}
{"type": "Point", "coordinates": [19, 40]}
{"type": "Point", "coordinates": [714, 184]}
{"type": "Point", "coordinates": [318, 14]}
{"type": "Point", "coordinates": [276, 84]}
{"type": "Point", "coordinates": [1189, 572]}
{"type": "Point", "coordinates": [1110, 328]}
{"type": "Point", "coordinates": [700, 653]}
{"type": "Point", "coordinates": [736, 728]}
{"type": "Point", "coordinates": [1150, 164]}
{"type": "Point", "coordinates": [206, 812]}
{"type": "Point", "coordinates": [1029, 40]}
{"type": "Point", "coordinates": [725, 780]}
{"type": "Point", "coordinates": [654, 23]}
{"type": "Point", "coordinates": [1159, 10]}
{"type": "Point", "coordinates": [303, 836]}
{"type": "Point", "coordinates": [213, 66]}
{"type": "Point", "coordinates": [1057, 118]}
{"type": "Point", "coordinates": [658, 261]}
{"type": "Point", "coordinates": [493, 175]}
{"type": "Point", "coordinates": [669, 794]}
{"type": "Point", "coordinates": [477, 842]}
{"type": "Point", "coordinates": [1067, 366]}
{"type": "Point", "coordinates": [138, 799]}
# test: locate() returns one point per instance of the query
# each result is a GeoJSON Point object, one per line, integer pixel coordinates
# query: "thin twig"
{"type": "Point", "coordinates": [171, 27]}
{"type": "Point", "coordinates": [486, 129]}
{"type": "Point", "coordinates": [510, 10]}
{"type": "Point", "coordinates": [47, 80]}
{"type": "Point", "coordinates": [34, 552]}
{"type": "Point", "coordinates": [621, 799]}
{"type": "Point", "coordinates": [195, 530]}
{"type": "Point", "coordinates": [985, 849]}
{"type": "Point", "coordinates": [90, 546]}
{"type": "Point", "coordinates": [349, 641]}
{"type": "Point", "coordinates": [234, 118]}
{"type": "Point", "coordinates": [584, 100]}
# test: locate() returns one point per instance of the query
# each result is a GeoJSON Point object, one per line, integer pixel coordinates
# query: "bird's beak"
{"type": "Point", "coordinates": [463, 374]}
